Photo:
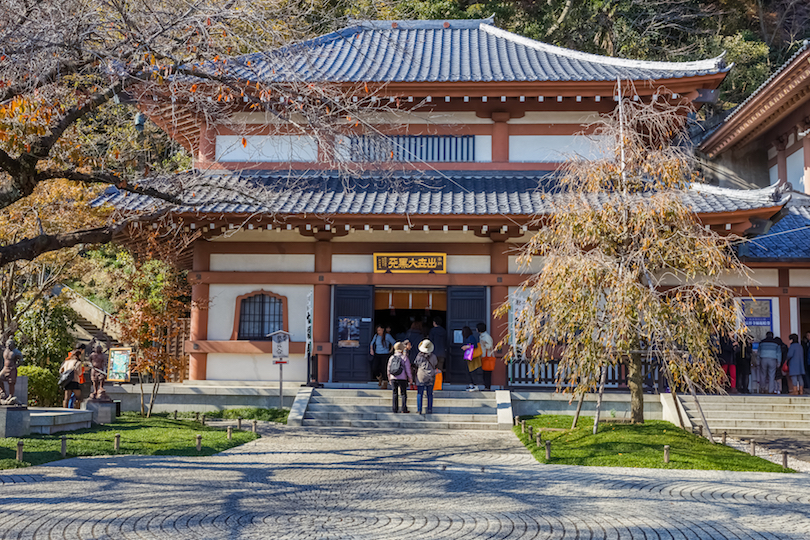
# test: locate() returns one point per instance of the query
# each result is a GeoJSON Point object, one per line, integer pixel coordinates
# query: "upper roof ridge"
{"type": "Point", "coordinates": [421, 24]}
{"type": "Point", "coordinates": [717, 62]}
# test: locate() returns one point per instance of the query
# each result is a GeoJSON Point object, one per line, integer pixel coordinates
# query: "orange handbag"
{"type": "Point", "coordinates": [488, 363]}
{"type": "Point", "coordinates": [437, 385]}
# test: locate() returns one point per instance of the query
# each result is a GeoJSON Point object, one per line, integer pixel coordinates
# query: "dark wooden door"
{"type": "Point", "coordinates": [354, 309]}
{"type": "Point", "coordinates": [466, 306]}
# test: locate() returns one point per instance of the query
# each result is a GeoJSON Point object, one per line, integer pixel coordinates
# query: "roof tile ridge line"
{"type": "Point", "coordinates": [420, 24]}
{"type": "Point", "coordinates": [767, 82]}
{"type": "Point", "coordinates": [697, 65]}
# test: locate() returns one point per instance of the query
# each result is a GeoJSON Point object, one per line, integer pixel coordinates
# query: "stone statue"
{"type": "Point", "coordinates": [11, 359]}
{"type": "Point", "coordinates": [98, 374]}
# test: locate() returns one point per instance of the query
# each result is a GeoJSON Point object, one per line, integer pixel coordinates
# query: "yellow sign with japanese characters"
{"type": "Point", "coordinates": [410, 263]}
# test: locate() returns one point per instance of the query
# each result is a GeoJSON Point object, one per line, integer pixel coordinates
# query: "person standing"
{"type": "Point", "coordinates": [727, 362]}
{"type": "Point", "coordinates": [487, 351]}
{"type": "Point", "coordinates": [399, 375]}
{"type": "Point", "coordinates": [426, 363]}
{"type": "Point", "coordinates": [438, 336]}
{"type": "Point", "coordinates": [770, 358]}
{"type": "Point", "coordinates": [743, 360]}
{"type": "Point", "coordinates": [473, 358]}
{"type": "Point", "coordinates": [72, 388]}
{"type": "Point", "coordinates": [795, 362]}
{"type": "Point", "coordinates": [380, 348]}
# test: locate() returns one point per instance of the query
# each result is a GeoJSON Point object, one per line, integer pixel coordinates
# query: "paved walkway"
{"type": "Point", "coordinates": [327, 484]}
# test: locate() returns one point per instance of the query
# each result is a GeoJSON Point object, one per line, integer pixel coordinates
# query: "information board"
{"type": "Point", "coordinates": [118, 364]}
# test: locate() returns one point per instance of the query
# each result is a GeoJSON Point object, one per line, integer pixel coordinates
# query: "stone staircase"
{"type": "Point", "coordinates": [372, 409]}
{"type": "Point", "coordinates": [86, 331]}
{"type": "Point", "coordinates": [752, 415]}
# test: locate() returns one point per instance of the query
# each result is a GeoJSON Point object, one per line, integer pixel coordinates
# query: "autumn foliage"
{"type": "Point", "coordinates": [628, 272]}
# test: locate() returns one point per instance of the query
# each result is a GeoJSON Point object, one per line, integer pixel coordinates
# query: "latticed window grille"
{"type": "Point", "coordinates": [260, 315]}
{"type": "Point", "coordinates": [434, 148]}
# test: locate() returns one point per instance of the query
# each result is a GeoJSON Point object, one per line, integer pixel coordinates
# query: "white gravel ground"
{"type": "Point", "coordinates": [774, 456]}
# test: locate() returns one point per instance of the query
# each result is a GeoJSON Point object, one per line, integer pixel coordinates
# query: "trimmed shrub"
{"type": "Point", "coordinates": [43, 390]}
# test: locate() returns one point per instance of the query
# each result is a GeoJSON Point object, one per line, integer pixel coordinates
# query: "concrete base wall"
{"type": "Point", "coordinates": [613, 405]}
{"type": "Point", "coordinates": [184, 397]}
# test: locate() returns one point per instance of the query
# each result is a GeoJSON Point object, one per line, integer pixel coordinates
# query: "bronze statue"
{"type": "Point", "coordinates": [11, 359]}
{"type": "Point", "coordinates": [98, 374]}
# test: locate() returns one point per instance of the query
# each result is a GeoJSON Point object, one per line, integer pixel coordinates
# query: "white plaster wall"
{"type": "Point", "coordinates": [533, 267]}
{"type": "Point", "coordinates": [773, 174]}
{"type": "Point", "coordinates": [254, 367]}
{"type": "Point", "coordinates": [557, 117]}
{"type": "Point", "coordinates": [794, 315]}
{"type": "Point", "coordinates": [416, 236]}
{"type": "Point", "coordinates": [795, 170]}
{"type": "Point", "coordinates": [263, 148]}
{"type": "Point", "coordinates": [799, 278]}
{"type": "Point", "coordinates": [222, 309]}
{"type": "Point", "coordinates": [552, 148]}
{"type": "Point", "coordinates": [352, 263]}
{"type": "Point", "coordinates": [483, 148]}
{"type": "Point", "coordinates": [468, 264]}
{"type": "Point", "coordinates": [231, 262]}
{"type": "Point", "coordinates": [261, 235]}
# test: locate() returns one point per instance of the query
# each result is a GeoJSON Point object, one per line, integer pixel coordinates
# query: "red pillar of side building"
{"type": "Point", "coordinates": [198, 362]}
{"type": "Point", "coordinates": [499, 265]}
{"type": "Point", "coordinates": [322, 305]}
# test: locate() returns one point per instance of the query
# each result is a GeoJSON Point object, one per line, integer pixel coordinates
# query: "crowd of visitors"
{"type": "Point", "coordinates": [768, 367]}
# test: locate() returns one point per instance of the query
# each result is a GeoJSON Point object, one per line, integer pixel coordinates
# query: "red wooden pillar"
{"type": "Point", "coordinates": [198, 362]}
{"type": "Point", "coordinates": [322, 305]}
{"type": "Point", "coordinates": [500, 137]}
{"type": "Point", "coordinates": [498, 294]}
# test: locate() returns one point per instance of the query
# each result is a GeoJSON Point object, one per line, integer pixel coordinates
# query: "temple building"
{"type": "Point", "coordinates": [437, 235]}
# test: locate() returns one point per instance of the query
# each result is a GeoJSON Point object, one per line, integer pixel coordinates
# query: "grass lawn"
{"type": "Point", "coordinates": [156, 436]}
{"type": "Point", "coordinates": [627, 445]}
{"type": "Point", "coordinates": [251, 413]}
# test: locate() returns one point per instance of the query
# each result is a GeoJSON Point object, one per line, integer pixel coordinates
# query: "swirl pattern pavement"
{"type": "Point", "coordinates": [353, 484]}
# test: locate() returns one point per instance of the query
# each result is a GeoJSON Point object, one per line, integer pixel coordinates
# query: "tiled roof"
{"type": "Point", "coordinates": [788, 239]}
{"type": "Point", "coordinates": [467, 50]}
{"type": "Point", "coordinates": [417, 193]}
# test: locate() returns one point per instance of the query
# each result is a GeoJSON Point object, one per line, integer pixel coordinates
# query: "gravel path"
{"type": "Point", "coordinates": [344, 484]}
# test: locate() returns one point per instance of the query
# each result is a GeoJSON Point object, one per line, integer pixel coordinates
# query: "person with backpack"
{"type": "Point", "coordinates": [399, 375]}
{"type": "Point", "coordinates": [426, 363]}
{"type": "Point", "coordinates": [71, 371]}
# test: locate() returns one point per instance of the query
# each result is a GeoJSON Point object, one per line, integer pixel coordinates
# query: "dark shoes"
{"type": "Point", "coordinates": [406, 411]}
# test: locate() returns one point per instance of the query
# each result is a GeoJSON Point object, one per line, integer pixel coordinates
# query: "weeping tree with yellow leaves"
{"type": "Point", "coordinates": [629, 272]}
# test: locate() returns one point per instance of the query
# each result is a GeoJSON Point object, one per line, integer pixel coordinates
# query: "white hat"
{"type": "Point", "coordinates": [426, 346]}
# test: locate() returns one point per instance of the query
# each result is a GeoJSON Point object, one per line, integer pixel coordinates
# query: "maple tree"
{"type": "Point", "coordinates": [628, 269]}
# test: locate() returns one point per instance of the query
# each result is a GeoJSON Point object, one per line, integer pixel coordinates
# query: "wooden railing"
{"type": "Point", "coordinates": [522, 374]}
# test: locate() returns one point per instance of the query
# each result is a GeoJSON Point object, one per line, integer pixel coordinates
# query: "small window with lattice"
{"type": "Point", "coordinates": [260, 313]}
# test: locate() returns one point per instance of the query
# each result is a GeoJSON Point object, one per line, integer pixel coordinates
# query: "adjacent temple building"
{"type": "Point", "coordinates": [483, 118]}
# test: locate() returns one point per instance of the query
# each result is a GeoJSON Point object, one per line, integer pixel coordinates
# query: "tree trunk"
{"type": "Point", "coordinates": [636, 384]}
{"type": "Point", "coordinates": [579, 408]}
{"type": "Point", "coordinates": [599, 399]}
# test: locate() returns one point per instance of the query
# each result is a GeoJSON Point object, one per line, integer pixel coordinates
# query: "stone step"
{"type": "Point", "coordinates": [401, 417]}
{"type": "Point", "coordinates": [437, 408]}
{"type": "Point", "coordinates": [53, 420]}
{"type": "Point", "coordinates": [391, 426]}
{"type": "Point", "coordinates": [752, 416]}
{"type": "Point", "coordinates": [751, 433]}
{"type": "Point", "coordinates": [752, 399]}
{"type": "Point", "coordinates": [727, 424]}
{"type": "Point", "coordinates": [351, 393]}
{"type": "Point", "coordinates": [444, 402]}
{"type": "Point", "coordinates": [714, 407]}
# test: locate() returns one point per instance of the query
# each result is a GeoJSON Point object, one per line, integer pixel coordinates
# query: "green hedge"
{"type": "Point", "coordinates": [43, 390]}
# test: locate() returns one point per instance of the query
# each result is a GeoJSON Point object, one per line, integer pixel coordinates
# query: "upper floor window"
{"type": "Point", "coordinates": [431, 148]}
{"type": "Point", "coordinates": [260, 314]}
